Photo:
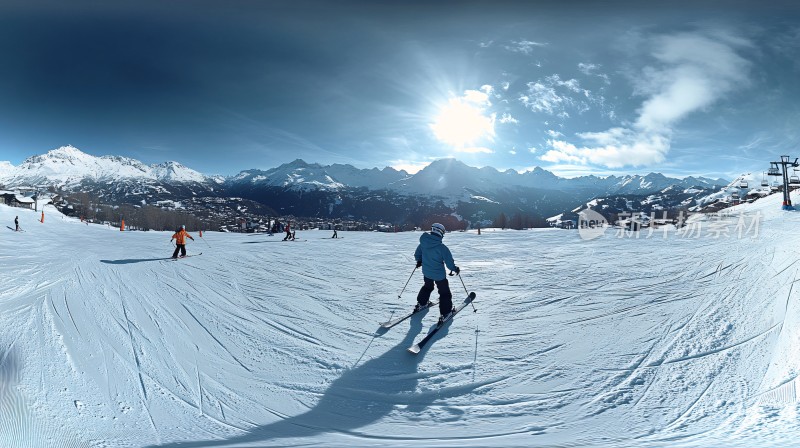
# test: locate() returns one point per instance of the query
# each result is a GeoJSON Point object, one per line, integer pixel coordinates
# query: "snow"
{"type": "Point", "coordinates": [753, 186]}
{"type": "Point", "coordinates": [660, 341]}
{"type": "Point", "coordinates": [68, 165]}
{"type": "Point", "coordinates": [482, 198]}
{"type": "Point", "coordinates": [5, 169]}
{"type": "Point", "coordinates": [175, 172]}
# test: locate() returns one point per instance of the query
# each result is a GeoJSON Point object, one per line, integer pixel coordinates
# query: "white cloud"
{"type": "Point", "coordinates": [614, 148]}
{"type": "Point", "coordinates": [693, 71]}
{"type": "Point", "coordinates": [475, 150]}
{"type": "Point", "coordinates": [507, 118]}
{"type": "Point", "coordinates": [552, 95]}
{"type": "Point", "coordinates": [554, 134]}
{"type": "Point", "coordinates": [593, 70]}
{"type": "Point", "coordinates": [478, 97]}
{"type": "Point", "coordinates": [570, 84]}
{"type": "Point", "coordinates": [532, 150]}
{"type": "Point", "coordinates": [524, 46]}
{"type": "Point", "coordinates": [587, 69]}
{"type": "Point", "coordinates": [542, 98]}
{"type": "Point", "coordinates": [512, 152]}
{"type": "Point", "coordinates": [570, 171]}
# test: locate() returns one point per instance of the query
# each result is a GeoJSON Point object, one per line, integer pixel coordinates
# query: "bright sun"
{"type": "Point", "coordinates": [459, 123]}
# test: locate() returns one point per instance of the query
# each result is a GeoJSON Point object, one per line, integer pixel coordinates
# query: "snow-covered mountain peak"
{"type": "Point", "coordinates": [299, 174]}
{"type": "Point", "coordinates": [66, 152]}
{"type": "Point", "coordinates": [69, 165]}
{"type": "Point", "coordinates": [175, 172]}
{"type": "Point", "coordinates": [447, 165]}
{"type": "Point", "coordinates": [298, 164]}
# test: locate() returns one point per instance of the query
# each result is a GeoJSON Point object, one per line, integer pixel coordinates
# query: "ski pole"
{"type": "Point", "coordinates": [452, 273]}
{"type": "Point", "coordinates": [204, 240]}
{"type": "Point", "coordinates": [409, 279]}
{"type": "Point", "coordinates": [465, 288]}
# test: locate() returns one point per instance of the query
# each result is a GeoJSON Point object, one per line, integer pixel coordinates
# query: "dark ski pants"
{"type": "Point", "coordinates": [445, 296]}
{"type": "Point", "coordinates": [179, 247]}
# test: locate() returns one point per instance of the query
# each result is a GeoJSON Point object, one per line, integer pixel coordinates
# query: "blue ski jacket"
{"type": "Point", "coordinates": [433, 253]}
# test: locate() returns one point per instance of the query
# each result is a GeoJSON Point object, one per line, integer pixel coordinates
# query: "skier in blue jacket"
{"type": "Point", "coordinates": [431, 255]}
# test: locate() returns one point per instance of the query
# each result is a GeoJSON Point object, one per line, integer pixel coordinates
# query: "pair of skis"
{"type": "Point", "coordinates": [416, 348]}
{"type": "Point", "coordinates": [185, 256]}
{"type": "Point", "coordinates": [392, 323]}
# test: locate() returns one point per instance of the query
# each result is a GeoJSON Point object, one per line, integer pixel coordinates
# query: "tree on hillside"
{"type": "Point", "coordinates": [501, 221]}
{"type": "Point", "coordinates": [516, 222]}
{"type": "Point", "coordinates": [450, 222]}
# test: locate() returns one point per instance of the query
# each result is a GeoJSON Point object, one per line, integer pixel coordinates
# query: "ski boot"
{"type": "Point", "coordinates": [419, 306]}
{"type": "Point", "coordinates": [444, 317]}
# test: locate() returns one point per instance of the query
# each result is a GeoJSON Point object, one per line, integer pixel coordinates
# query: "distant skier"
{"type": "Point", "coordinates": [288, 231]}
{"type": "Point", "coordinates": [431, 254]}
{"type": "Point", "coordinates": [180, 241]}
{"type": "Point", "coordinates": [16, 222]}
{"type": "Point", "coordinates": [335, 235]}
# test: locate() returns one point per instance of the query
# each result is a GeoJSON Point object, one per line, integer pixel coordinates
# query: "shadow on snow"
{"type": "Point", "coordinates": [362, 396]}
{"type": "Point", "coordinates": [133, 260]}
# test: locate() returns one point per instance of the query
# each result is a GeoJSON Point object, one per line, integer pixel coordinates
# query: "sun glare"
{"type": "Point", "coordinates": [459, 123]}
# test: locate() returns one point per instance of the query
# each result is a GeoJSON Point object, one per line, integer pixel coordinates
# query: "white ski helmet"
{"type": "Point", "coordinates": [438, 229]}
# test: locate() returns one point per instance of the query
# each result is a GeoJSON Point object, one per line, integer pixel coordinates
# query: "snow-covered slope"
{"type": "Point", "coordinates": [259, 342]}
{"type": "Point", "coordinates": [69, 166]}
{"type": "Point", "coordinates": [5, 169]}
{"type": "Point", "coordinates": [747, 184]}
{"type": "Point", "coordinates": [175, 172]}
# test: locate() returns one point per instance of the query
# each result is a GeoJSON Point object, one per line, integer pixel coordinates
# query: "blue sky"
{"type": "Point", "coordinates": [576, 87]}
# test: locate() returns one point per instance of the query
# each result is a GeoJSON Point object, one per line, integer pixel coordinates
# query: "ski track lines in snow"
{"type": "Point", "coordinates": [615, 341]}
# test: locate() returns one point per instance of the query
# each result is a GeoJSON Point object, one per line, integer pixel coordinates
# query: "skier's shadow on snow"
{"type": "Point", "coordinates": [9, 373]}
{"type": "Point", "coordinates": [361, 396]}
{"type": "Point", "coordinates": [132, 260]}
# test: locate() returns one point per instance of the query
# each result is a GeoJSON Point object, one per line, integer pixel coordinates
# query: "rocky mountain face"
{"type": "Point", "coordinates": [446, 187]}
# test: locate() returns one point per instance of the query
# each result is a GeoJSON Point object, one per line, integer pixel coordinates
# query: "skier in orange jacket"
{"type": "Point", "coordinates": [180, 241]}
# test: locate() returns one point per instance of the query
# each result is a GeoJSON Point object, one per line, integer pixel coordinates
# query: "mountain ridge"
{"type": "Point", "coordinates": [70, 165]}
{"type": "Point", "coordinates": [445, 188]}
